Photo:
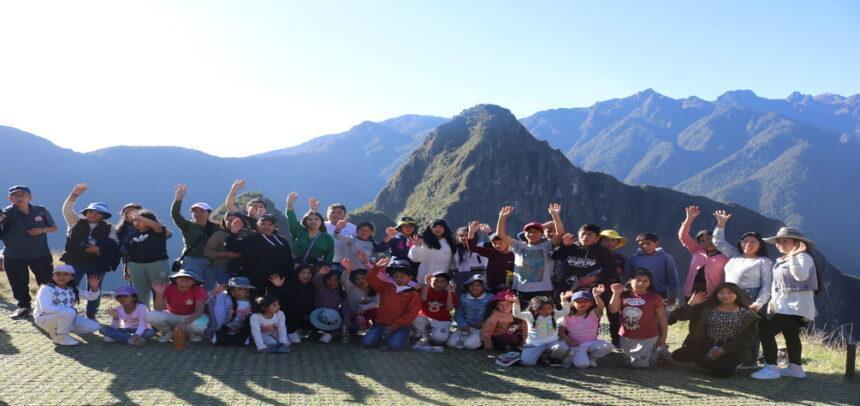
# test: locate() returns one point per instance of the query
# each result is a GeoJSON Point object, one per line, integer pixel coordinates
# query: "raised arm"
{"type": "Point", "coordinates": [555, 211]}
{"type": "Point", "coordinates": [684, 232]}
{"type": "Point", "coordinates": [518, 313]}
{"type": "Point", "coordinates": [615, 301]}
{"type": "Point", "coordinates": [501, 225]}
{"type": "Point", "coordinates": [230, 202]}
{"type": "Point", "coordinates": [154, 225]}
{"type": "Point", "coordinates": [69, 213]}
{"type": "Point", "coordinates": [176, 208]}
{"type": "Point", "coordinates": [720, 242]}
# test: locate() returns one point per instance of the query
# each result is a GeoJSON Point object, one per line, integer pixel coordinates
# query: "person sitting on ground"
{"type": "Point", "coordinates": [644, 326]}
{"type": "Point", "coordinates": [501, 331]}
{"type": "Point", "coordinates": [55, 306]}
{"type": "Point", "coordinates": [438, 300]}
{"type": "Point", "coordinates": [229, 311]}
{"type": "Point", "coordinates": [179, 307]}
{"type": "Point", "coordinates": [128, 320]}
{"type": "Point", "coordinates": [399, 305]}
{"type": "Point", "coordinates": [470, 315]}
{"type": "Point", "coordinates": [580, 329]}
{"type": "Point", "coordinates": [268, 324]}
{"type": "Point", "coordinates": [297, 295]}
{"type": "Point", "coordinates": [542, 320]}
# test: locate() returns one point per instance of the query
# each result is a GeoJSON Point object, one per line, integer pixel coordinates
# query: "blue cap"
{"type": "Point", "coordinates": [19, 188]}
{"type": "Point", "coordinates": [100, 207]}
{"type": "Point", "coordinates": [582, 294]}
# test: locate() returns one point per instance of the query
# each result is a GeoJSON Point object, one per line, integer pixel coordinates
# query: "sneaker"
{"type": "Point", "coordinates": [325, 338]}
{"type": "Point", "coordinates": [420, 344]}
{"type": "Point", "coordinates": [792, 371]}
{"type": "Point", "coordinates": [295, 338]}
{"type": "Point", "coordinates": [64, 339]}
{"type": "Point", "coordinates": [768, 372]}
{"type": "Point", "coordinates": [108, 339]}
{"type": "Point", "coordinates": [165, 337]}
{"type": "Point", "coordinates": [196, 338]}
{"type": "Point", "coordinates": [22, 313]}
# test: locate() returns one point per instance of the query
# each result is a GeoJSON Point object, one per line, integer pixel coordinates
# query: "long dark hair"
{"type": "Point", "coordinates": [762, 247]}
{"type": "Point", "coordinates": [432, 241]}
{"type": "Point", "coordinates": [354, 274]}
{"type": "Point", "coordinates": [740, 296]}
{"type": "Point", "coordinates": [340, 291]}
{"type": "Point", "coordinates": [462, 249]}
{"type": "Point", "coordinates": [314, 213]}
{"type": "Point", "coordinates": [540, 301]}
{"type": "Point", "coordinates": [641, 272]}
{"type": "Point", "coordinates": [123, 225]}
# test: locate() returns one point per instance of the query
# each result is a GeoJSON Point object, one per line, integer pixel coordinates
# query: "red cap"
{"type": "Point", "coordinates": [503, 295]}
{"type": "Point", "coordinates": [533, 224]}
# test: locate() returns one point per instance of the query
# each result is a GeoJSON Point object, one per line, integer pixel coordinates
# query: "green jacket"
{"type": "Point", "coordinates": [192, 231]}
{"type": "Point", "coordinates": [698, 317]}
{"type": "Point", "coordinates": [322, 252]}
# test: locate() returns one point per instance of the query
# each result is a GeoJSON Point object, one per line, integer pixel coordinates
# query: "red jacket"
{"type": "Point", "coordinates": [395, 309]}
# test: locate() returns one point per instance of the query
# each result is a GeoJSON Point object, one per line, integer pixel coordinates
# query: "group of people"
{"type": "Point", "coordinates": [535, 297]}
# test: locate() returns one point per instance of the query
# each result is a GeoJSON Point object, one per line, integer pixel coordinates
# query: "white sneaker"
{"type": "Point", "coordinates": [64, 339]}
{"type": "Point", "coordinates": [792, 371]}
{"type": "Point", "coordinates": [295, 338]}
{"type": "Point", "coordinates": [165, 337]}
{"type": "Point", "coordinates": [768, 372]}
{"type": "Point", "coordinates": [326, 338]}
{"type": "Point", "coordinates": [108, 339]}
{"type": "Point", "coordinates": [196, 338]}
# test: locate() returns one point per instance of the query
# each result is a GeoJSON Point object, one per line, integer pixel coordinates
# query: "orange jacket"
{"type": "Point", "coordinates": [395, 309]}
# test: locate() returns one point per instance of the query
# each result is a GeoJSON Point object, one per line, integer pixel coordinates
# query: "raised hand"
{"type": "Point", "coordinates": [427, 279]}
{"type": "Point", "coordinates": [568, 239]}
{"type": "Point", "coordinates": [346, 263]}
{"type": "Point", "coordinates": [158, 287]}
{"type": "Point", "coordinates": [361, 257]}
{"type": "Point", "coordinates": [314, 204]}
{"type": "Point", "coordinates": [722, 217]}
{"type": "Point", "coordinates": [598, 290]}
{"type": "Point", "coordinates": [692, 212]}
{"type": "Point", "coordinates": [698, 297]}
{"type": "Point", "coordinates": [277, 280]}
{"type": "Point", "coordinates": [755, 307]}
{"type": "Point", "coordinates": [473, 227]}
{"type": "Point", "coordinates": [218, 289]}
{"type": "Point", "coordinates": [291, 199]}
{"type": "Point", "coordinates": [383, 262]}
{"type": "Point", "coordinates": [417, 240]}
{"type": "Point", "coordinates": [506, 211]}
{"type": "Point", "coordinates": [566, 295]}
{"type": "Point", "coordinates": [79, 189]}
{"type": "Point", "coordinates": [390, 233]}
{"type": "Point", "coordinates": [340, 225]}
{"type": "Point", "coordinates": [236, 225]}
{"type": "Point", "coordinates": [452, 287]}
{"type": "Point", "coordinates": [485, 228]}
{"type": "Point", "coordinates": [798, 248]}
{"type": "Point", "coordinates": [114, 314]}
{"type": "Point", "coordinates": [238, 185]}
{"type": "Point", "coordinates": [324, 270]}
{"type": "Point", "coordinates": [554, 209]}
{"type": "Point", "coordinates": [180, 190]}
{"type": "Point", "coordinates": [616, 288]}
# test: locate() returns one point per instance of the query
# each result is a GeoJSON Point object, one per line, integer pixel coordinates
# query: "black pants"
{"type": "Point", "coordinates": [18, 273]}
{"type": "Point", "coordinates": [723, 366]}
{"type": "Point", "coordinates": [789, 326]}
{"type": "Point", "coordinates": [614, 318]}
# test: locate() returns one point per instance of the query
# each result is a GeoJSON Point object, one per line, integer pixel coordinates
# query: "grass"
{"type": "Point", "coordinates": [36, 372]}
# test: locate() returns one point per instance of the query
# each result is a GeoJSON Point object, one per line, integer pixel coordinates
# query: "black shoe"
{"type": "Point", "coordinates": [22, 313]}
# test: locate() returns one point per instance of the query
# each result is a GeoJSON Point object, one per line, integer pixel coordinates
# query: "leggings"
{"type": "Point", "coordinates": [789, 326]}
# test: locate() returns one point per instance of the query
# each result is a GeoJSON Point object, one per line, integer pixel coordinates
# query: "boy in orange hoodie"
{"type": "Point", "coordinates": [398, 306]}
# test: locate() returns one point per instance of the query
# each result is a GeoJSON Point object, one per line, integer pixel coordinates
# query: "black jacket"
{"type": "Point", "coordinates": [263, 257]}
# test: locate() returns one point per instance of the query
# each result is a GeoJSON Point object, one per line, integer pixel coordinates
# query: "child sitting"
{"type": "Point", "coordinates": [55, 306]}
{"type": "Point", "coordinates": [179, 307]}
{"type": "Point", "coordinates": [643, 319]}
{"type": "Point", "coordinates": [128, 324]}
{"type": "Point", "coordinates": [580, 328]}
{"type": "Point", "coordinates": [542, 321]}
{"type": "Point", "coordinates": [229, 312]}
{"type": "Point", "coordinates": [398, 306]}
{"type": "Point", "coordinates": [297, 296]}
{"type": "Point", "coordinates": [328, 294]}
{"type": "Point", "coordinates": [438, 299]}
{"type": "Point", "coordinates": [501, 330]}
{"type": "Point", "coordinates": [268, 324]}
{"type": "Point", "coordinates": [470, 315]}
{"type": "Point", "coordinates": [361, 300]}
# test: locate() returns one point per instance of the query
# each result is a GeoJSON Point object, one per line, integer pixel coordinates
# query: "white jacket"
{"type": "Point", "coordinates": [52, 299]}
{"type": "Point", "coordinates": [431, 260]}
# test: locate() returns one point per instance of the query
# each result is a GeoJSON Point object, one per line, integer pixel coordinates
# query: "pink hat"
{"type": "Point", "coordinates": [503, 295]}
{"type": "Point", "coordinates": [533, 224]}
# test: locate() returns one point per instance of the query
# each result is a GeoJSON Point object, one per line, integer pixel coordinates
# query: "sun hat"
{"type": "Point", "coordinates": [100, 207]}
{"type": "Point", "coordinates": [503, 295]}
{"type": "Point", "coordinates": [240, 282]}
{"type": "Point", "coordinates": [201, 205]}
{"type": "Point", "coordinates": [125, 291]}
{"type": "Point", "coordinates": [442, 274]}
{"type": "Point", "coordinates": [186, 274]}
{"type": "Point", "coordinates": [533, 224]}
{"type": "Point", "coordinates": [613, 235]}
{"type": "Point", "coordinates": [789, 232]}
{"type": "Point", "coordinates": [64, 268]}
{"type": "Point", "coordinates": [326, 319]}
{"type": "Point", "coordinates": [406, 220]}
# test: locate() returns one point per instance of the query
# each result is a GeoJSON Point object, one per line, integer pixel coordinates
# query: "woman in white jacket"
{"type": "Point", "coordinates": [55, 306]}
{"type": "Point", "coordinates": [433, 249]}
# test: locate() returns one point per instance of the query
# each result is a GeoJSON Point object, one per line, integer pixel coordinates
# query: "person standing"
{"type": "Point", "coordinates": [24, 230]}
{"type": "Point", "coordinates": [195, 234]}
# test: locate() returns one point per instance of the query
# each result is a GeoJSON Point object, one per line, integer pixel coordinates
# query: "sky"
{"type": "Point", "coordinates": [234, 78]}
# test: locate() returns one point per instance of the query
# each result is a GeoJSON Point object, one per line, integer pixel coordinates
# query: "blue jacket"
{"type": "Point", "coordinates": [470, 310]}
{"type": "Point", "coordinates": [664, 275]}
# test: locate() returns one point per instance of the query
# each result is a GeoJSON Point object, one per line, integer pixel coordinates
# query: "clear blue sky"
{"type": "Point", "coordinates": [93, 74]}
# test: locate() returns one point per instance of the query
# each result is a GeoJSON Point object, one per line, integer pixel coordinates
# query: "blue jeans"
{"type": "Point", "coordinates": [397, 340]}
{"type": "Point", "coordinates": [203, 268]}
{"type": "Point", "coordinates": [124, 334]}
{"type": "Point", "coordinates": [89, 270]}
